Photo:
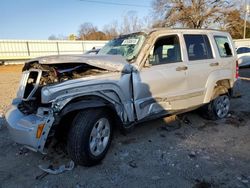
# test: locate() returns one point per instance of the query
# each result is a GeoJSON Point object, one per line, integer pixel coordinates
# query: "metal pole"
{"type": "Point", "coordinates": [57, 46]}
{"type": "Point", "coordinates": [28, 48]}
{"type": "Point", "coordinates": [245, 20]}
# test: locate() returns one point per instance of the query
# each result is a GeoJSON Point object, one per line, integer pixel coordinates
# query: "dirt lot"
{"type": "Point", "coordinates": [191, 152]}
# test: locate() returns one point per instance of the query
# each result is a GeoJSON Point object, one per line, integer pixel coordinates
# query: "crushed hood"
{"type": "Point", "coordinates": [114, 63]}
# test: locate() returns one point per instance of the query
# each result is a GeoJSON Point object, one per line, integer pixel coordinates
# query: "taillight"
{"type": "Point", "coordinates": [237, 70]}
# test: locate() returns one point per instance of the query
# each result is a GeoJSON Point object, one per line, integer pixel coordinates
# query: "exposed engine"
{"type": "Point", "coordinates": [62, 72]}
{"type": "Point", "coordinates": [40, 75]}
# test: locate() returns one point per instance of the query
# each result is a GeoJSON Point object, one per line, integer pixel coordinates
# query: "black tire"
{"type": "Point", "coordinates": [80, 137]}
{"type": "Point", "coordinates": [217, 109]}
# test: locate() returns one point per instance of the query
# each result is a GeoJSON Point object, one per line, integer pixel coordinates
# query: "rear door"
{"type": "Point", "coordinates": [201, 63]}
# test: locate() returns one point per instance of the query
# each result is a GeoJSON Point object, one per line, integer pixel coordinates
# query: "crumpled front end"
{"type": "Point", "coordinates": [30, 130]}
{"type": "Point", "coordinates": [30, 117]}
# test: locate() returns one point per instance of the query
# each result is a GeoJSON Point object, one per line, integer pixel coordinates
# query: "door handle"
{"type": "Point", "coordinates": [214, 64]}
{"type": "Point", "coordinates": [182, 68]}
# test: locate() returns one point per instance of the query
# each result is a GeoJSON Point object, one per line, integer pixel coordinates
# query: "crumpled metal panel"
{"type": "Point", "coordinates": [115, 63]}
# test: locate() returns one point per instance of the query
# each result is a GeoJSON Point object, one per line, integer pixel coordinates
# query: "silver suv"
{"type": "Point", "coordinates": [135, 77]}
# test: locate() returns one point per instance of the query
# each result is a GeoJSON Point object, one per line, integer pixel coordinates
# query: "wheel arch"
{"type": "Point", "coordinates": [217, 88]}
{"type": "Point", "coordinates": [70, 110]}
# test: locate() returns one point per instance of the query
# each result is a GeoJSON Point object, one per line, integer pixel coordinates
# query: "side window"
{"type": "Point", "coordinates": [243, 50]}
{"type": "Point", "coordinates": [223, 46]}
{"type": "Point", "coordinates": [240, 50]}
{"type": "Point", "coordinates": [198, 47]}
{"type": "Point", "coordinates": [166, 50]}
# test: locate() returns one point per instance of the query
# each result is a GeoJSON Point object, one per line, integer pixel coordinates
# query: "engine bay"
{"type": "Point", "coordinates": [56, 73]}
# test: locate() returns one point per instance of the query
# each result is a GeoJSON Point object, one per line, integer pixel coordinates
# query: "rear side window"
{"type": "Point", "coordinates": [243, 50]}
{"type": "Point", "coordinates": [198, 47]}
{"type": "Point", "coordinates": [223, 46]}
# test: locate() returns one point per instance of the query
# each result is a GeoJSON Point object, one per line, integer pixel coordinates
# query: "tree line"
{"type": "Point", "coordinates": [225, 15]}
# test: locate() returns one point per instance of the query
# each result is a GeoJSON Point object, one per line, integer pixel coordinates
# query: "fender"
{"type": "Point", "coordinates": [81, 105]}
{"type": "Point", "coordinates": [123, 109]}
{"type": "Point", "coordinates": [212, 80]}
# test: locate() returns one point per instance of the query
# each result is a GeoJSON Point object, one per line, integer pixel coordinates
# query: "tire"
{"type": "Point", "coordinates": [90, 137]}
{"type": "Point", "coordinates": [217, 109]}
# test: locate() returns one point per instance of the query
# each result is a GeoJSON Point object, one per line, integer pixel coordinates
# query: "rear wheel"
{"type": "Point", "coordinates": [218, 108]}
{"type": "Point", "coordinates": [90, 137]}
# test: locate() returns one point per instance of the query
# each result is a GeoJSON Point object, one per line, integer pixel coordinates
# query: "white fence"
{"type": "Point", "coordinates": [242, 42]}
{"type": "Point", "coordinates": [11, 50]}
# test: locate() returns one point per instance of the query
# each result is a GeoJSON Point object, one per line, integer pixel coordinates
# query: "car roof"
{"type": "Point", "coordinates": [178, 30]}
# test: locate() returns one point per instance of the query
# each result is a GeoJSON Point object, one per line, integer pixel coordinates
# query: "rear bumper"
{"type": "Point", "coordinates": [23, 128]}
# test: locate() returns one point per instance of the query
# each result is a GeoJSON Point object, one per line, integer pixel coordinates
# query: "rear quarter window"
{"type": "Point", "coordinates": [223, 46]}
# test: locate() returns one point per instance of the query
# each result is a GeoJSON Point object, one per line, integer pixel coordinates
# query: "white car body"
{"type": "Point", "coordinates": [243, 54]}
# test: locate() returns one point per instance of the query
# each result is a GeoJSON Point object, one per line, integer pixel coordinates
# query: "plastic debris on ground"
{"type": "Point", "coordinates": [58, 170]}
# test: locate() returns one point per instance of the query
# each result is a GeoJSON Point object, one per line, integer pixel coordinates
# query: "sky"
{"type": "Point", "coordinates": [39, 19]}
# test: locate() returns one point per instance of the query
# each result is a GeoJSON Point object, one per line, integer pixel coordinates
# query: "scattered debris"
{"type": "Point", "coordinates": [23, 151]}
{"type": "Point", "coordinates": [208, 124]}
{"type": "Point", "coordinates": [185, 120]}
{"type": "Point", "coordinates": [156, 178]}
{"type": "Point", "coordinates": [236, 120]}
{"type": "Point", "coordinates": [192, 155]}
{"type": "Point", "coordinates": [202, 184]}
{"type": "Point", "coordinates": [170, 119]}
{"type": "Point", "coordinates": [170, 128]}
{"type": "Point", "coordinates": [180, 135]}
{"type": "Point", "coordinates": [58, 170]}
{"type": "Point", "coordinates": [78, 185]}
{"type": "Point", "coordinates": [128, 141]}
{"type": "Point", "coordinates": [206, 157]}
{"type": "Point", "coordinates": [124, 154]}
{"type": "Point", "coordinates": [243, 179]}
{"type": "Point", "coordinates": [162, 135]}
{"type": "Point", "coordinates": [132, 164]}
{"type": "Point", "coordinates": [5, 176]}
{"type": "Point", "coordinates": [41, 176]}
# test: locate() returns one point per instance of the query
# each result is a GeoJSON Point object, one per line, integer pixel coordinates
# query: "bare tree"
{"type": "Point", "coordinates": [190, 13]}
{"type": "Point", "coordinates": [111, 30]}
{"type": "Point", "coordinates": [130, 23]}
{"type": "Point", "coordinates": [234, 24]}
{"type": "Point", "coordinates": [52, 37]}
{"type": "Point", "coordinates": [86, 29]}
{"type": "Point", "coordinates": [58, 37]}
{"type": "Point", "coordinates": [96, 35]}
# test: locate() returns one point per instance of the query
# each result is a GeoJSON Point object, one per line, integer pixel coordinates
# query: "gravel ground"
{"type": "Point", "coordinates": [189, 152]}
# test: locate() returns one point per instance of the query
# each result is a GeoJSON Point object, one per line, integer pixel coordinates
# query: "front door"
{"type": "Point", "coordinates": [160, 86]}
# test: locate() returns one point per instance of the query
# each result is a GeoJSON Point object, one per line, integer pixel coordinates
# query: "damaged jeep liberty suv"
{"type": "Point", "coordinates": [134, 78]}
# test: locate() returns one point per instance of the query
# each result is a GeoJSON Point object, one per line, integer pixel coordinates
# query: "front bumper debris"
{"type": "Point", "coordinates": [23, 128]}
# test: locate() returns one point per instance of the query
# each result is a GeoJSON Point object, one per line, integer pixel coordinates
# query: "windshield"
{"type": "Point", "coordinates": [128, 46]}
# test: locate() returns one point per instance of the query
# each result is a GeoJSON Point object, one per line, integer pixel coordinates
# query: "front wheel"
{"type": "Point", "coordinates": [90, 137]}
{"type": "Point", "coordinates": [218, 108]}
